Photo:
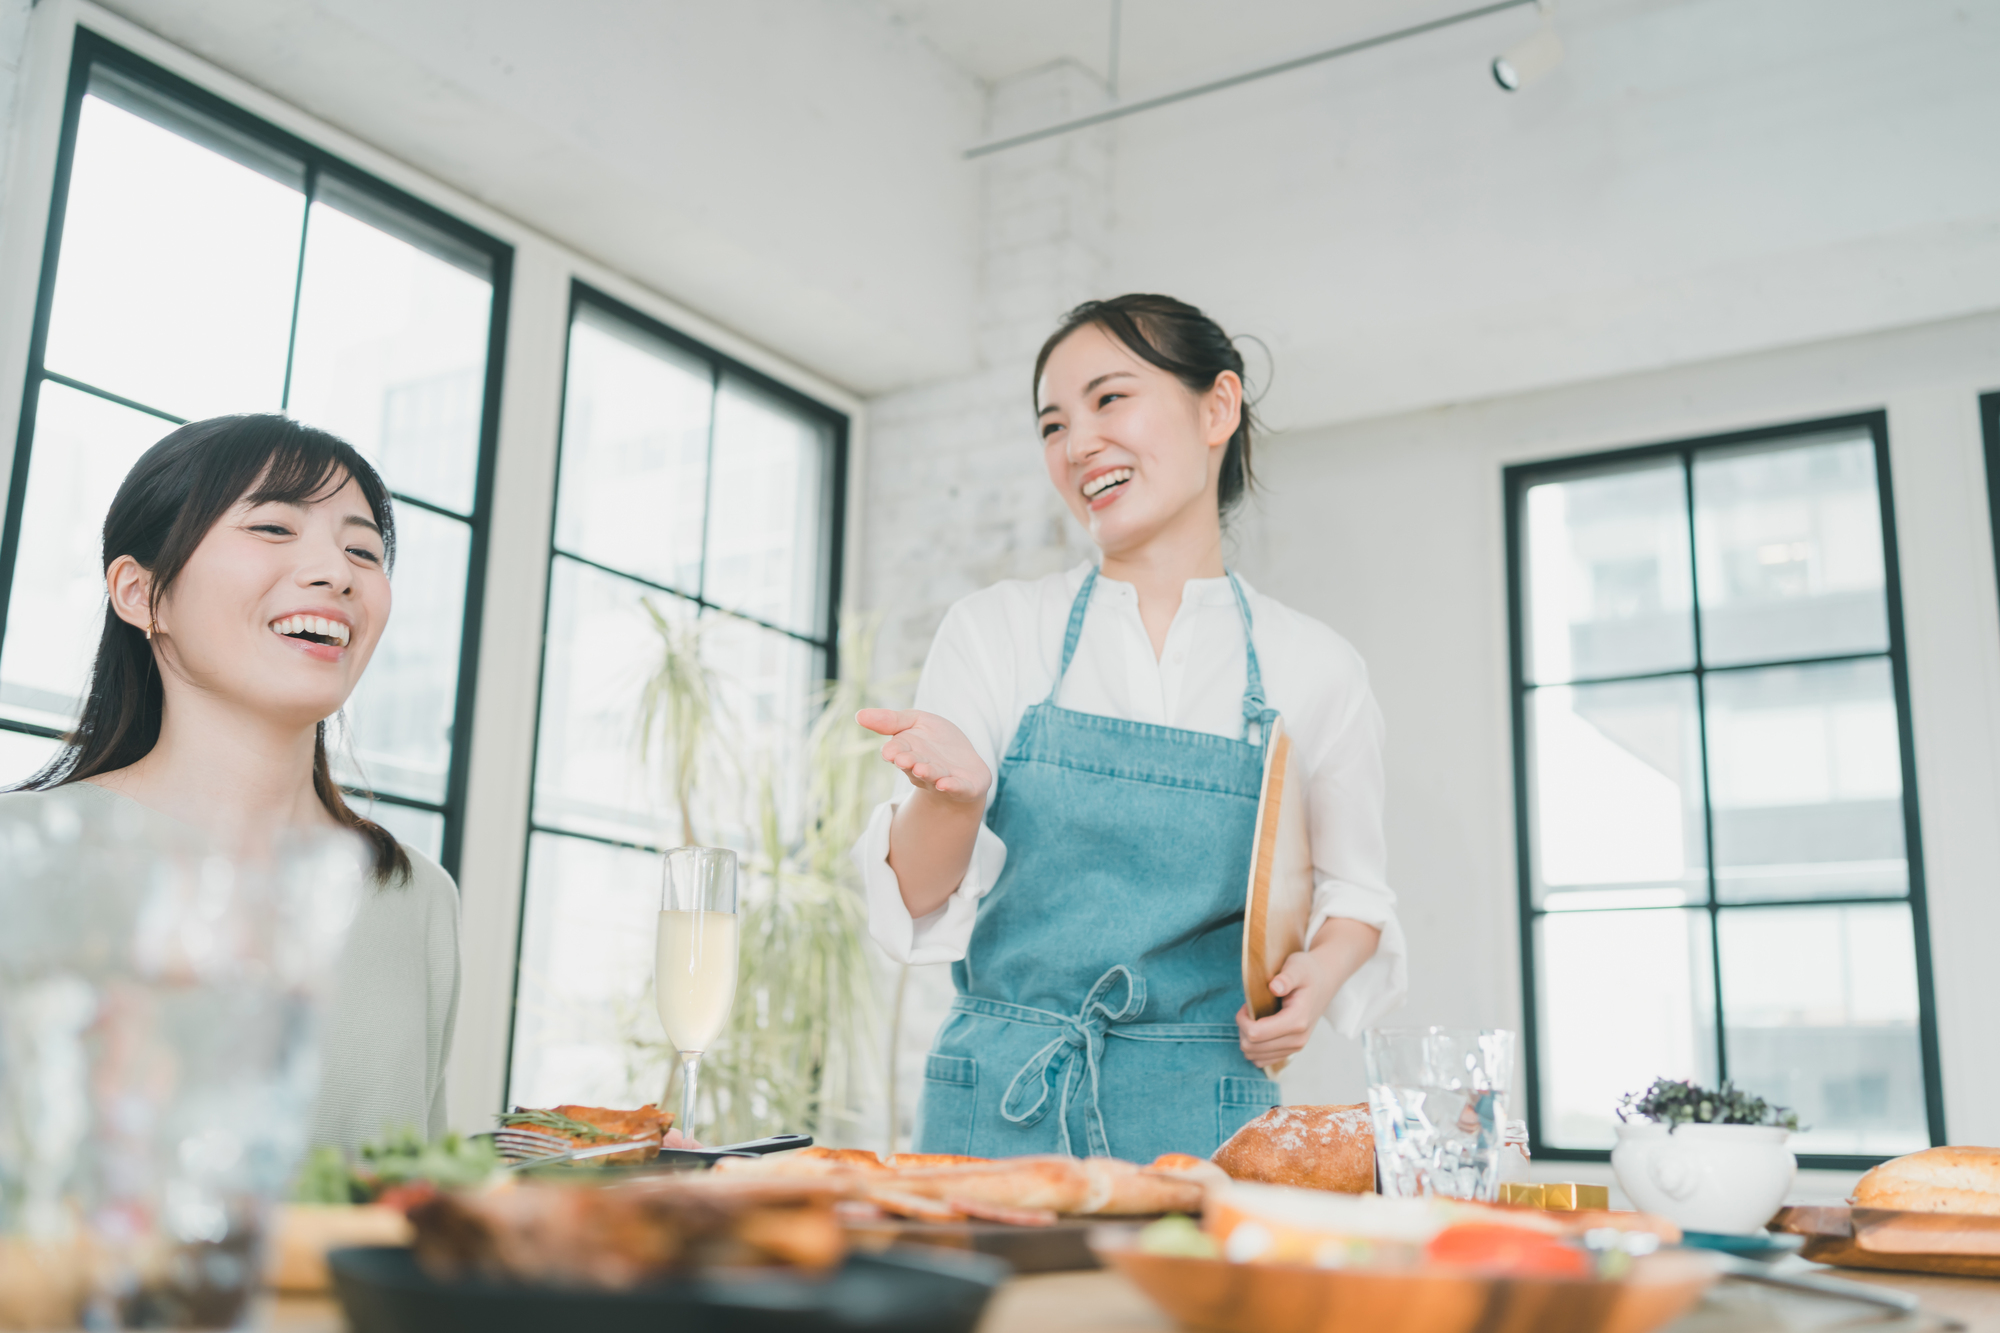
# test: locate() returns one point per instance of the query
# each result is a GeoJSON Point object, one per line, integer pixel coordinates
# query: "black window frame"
{"type": "Point", "coordinates": [91, 50]}
{"type": "Point", "coordinates": [1516, 479]}
{"type": "Point", "coordinates": [834, 538]}
{"type": "Point", "coordinates": [1989, 430]}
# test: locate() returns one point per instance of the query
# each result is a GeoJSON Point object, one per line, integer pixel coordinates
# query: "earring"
{"type": "Point", "coordinates": [149, 631]}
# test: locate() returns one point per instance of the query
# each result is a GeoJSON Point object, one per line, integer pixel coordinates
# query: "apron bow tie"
{"type": "Point", "coordinates": [1085, 1033]}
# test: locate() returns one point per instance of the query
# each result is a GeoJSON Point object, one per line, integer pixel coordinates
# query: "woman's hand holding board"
{"type": "Point", "coordinates": [931, 840]}
{"type": "Point", "coordinates": [1305, 986]}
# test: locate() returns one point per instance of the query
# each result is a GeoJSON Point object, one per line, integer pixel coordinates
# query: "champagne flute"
{"type": "Point", "coordinates": [694, 968]}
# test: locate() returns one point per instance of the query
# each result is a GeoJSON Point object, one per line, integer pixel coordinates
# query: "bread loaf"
{"type": "Point", "coordinates": [1317, 1147]}
{"type": "Point", "coordinates": [1936, 1180]}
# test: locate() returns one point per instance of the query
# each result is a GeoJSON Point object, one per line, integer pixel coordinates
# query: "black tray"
{"type": "Point", "coordinates": [383, 1291]}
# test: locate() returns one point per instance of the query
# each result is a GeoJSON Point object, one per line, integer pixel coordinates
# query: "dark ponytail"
{"type": "Point", "coordinates": [1185, 343]}
{"type": "Point", "coordinates": [173, 495]}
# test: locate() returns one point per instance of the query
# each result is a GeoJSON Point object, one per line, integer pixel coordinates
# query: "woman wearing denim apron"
{"type": "Point", "coordinates": [1084, 763]}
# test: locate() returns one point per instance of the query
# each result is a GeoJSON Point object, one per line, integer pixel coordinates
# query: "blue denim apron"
{"type": "Point", "coordinates": [1096, 1007]}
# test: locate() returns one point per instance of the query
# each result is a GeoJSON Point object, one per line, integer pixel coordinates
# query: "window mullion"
{"type": "Point", "coordinates": [81, 386]}
{"type": "Point", "coordinates": [1707, 801]}
{"type": "Point", "coordinates": [708, 481]}
{"type": "Point", "coordinates": [299, 285]}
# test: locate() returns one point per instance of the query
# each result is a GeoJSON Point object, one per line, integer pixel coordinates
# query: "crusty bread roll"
{"type": "Point", "coordinates": [1936, 1180]}
{"type": "Point", "coordinates": [1318, 1147]}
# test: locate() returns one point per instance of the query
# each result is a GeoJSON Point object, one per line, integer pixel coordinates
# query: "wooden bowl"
{"type": "Point", "coordinates": [1277, 1298]}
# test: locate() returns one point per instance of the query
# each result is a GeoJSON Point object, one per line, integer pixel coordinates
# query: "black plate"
{"type": "Point", "coordinates": [383, 1291]}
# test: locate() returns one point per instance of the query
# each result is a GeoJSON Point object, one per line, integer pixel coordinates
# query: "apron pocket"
{"type": "Point", "coordinates": [951, 1085]}
{"type": "Point", "coordinates": [1241, 1100]}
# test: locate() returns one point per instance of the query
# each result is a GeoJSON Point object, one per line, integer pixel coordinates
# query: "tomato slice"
{"type": "Point", "coordinates": [1514, 1251]}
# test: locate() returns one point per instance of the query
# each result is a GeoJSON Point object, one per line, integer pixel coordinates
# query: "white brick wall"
{"type": "Point", "coordinates": [957, 497]}
{"type": "Point", "coordinates": [13, 47]}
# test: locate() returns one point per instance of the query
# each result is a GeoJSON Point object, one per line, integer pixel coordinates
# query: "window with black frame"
{"type": "Point", "coordinates": [697, 505]}
{"type": "Point", "coordinates": [1721, 875]}
{"type": "Point", "coordinates": [1989, 424]}
{"type": "Point", "coordinates": [200, 262]}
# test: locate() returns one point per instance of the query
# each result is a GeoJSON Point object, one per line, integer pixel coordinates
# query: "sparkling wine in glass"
{"type": "Point", "coordinates": [694, 972]}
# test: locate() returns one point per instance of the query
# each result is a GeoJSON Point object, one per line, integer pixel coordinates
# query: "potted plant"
{"type": "Point", "coordinates": [1709, 1160]}
{"type": "Point", "coordinates": [799, 1043]}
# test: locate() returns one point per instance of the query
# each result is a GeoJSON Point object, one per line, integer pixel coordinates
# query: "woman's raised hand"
{"type": "Point", "coordinates": [934, 753]}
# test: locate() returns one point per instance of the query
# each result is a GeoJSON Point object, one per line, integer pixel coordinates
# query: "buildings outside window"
{"type": "Point", "coordinates": [1721, 875]}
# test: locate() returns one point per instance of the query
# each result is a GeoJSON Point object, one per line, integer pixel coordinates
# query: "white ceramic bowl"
{"type": "Point", "coordinates": [1724, 1178]}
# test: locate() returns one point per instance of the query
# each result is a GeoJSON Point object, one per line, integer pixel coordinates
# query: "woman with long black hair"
{"type": "Point", "coordinates": [247, 564]}
{"type": "Point", "coordinates": [1085, 757]}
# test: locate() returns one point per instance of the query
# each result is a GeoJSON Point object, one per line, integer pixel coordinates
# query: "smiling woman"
{"type": "Point", "coordinates": [1085, 758]}
{"type": "Point", "coordinates": [247, 563]}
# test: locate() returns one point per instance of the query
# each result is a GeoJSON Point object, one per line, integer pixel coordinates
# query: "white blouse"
{"type": "Point", "coordinates": [995, 657]}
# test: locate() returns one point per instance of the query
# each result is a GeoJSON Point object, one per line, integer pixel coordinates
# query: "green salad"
{"type": "Point", "coordinates": [400, 1159]}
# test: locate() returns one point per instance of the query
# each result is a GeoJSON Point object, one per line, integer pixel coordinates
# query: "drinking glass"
{"type": "Point", "coordinates": [1439, 1100]}
{"type": "Point", "coordinates": [159, 1011]}
{"type": "Point", "coordinates": [694, 971]}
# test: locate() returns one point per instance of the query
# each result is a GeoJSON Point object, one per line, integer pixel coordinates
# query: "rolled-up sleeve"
{"type": "Point", "coordinates": [965, 681]}
{"type": "Point", "coordinates": [942, 936]}
{"type": "Point", "coordinates": [1350, 860]}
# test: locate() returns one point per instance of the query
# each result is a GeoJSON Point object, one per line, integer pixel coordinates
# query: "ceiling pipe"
{"type": "Point", "coordinates": [1235, 80]}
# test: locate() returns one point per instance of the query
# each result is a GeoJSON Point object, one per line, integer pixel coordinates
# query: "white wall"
{"type": "Point", "coordinates": [955, 496]}
{"type": "Point", "coordinates": [1390, 530]}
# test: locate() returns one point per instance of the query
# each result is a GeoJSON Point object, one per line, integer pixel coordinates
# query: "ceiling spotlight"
{"type": "Point", "coordinates": [1525, 62]}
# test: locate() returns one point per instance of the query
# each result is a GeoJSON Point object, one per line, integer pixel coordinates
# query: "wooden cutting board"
{"type": "Point", "coordinates": [1956, 1243]}
{"type": "Point", "coordinates": [1279, 904]}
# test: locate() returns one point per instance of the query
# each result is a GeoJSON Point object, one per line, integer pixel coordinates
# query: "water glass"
{"type": "Point", "coordinates": [158, 1059]}
{"type": "Point", "coordinates": [1439, 1101]}
{"type": "Point", "coordinates": [694, 968]}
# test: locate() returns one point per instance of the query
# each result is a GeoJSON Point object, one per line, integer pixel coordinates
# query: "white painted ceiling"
{"type": "Point", "coordinates": [790, 168]}
{"type": "Point", "coordinates": [1700, 178]}
{"type": "Point", "coordinates": [1163, 44]}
